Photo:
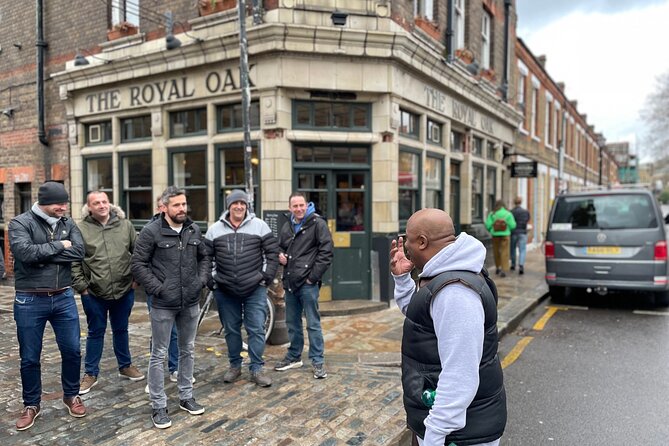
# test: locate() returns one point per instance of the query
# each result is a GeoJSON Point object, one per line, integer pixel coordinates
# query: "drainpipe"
{"type": "Point", "coordinates": [450, 51]}
{"type": "Point", "coordinates": [507, 31]}
{"type": "Point", "coordinates": [41, 48]}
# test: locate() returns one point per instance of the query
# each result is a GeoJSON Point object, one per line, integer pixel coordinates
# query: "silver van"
{"type": "Point", "coordinates": [607, 240]}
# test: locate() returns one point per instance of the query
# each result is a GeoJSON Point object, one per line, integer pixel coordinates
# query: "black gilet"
{"type": "Point", "coordinates": [486, 415]}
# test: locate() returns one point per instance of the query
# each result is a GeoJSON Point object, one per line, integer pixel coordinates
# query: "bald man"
{"type": "Point", "coordinates": [449, 343]}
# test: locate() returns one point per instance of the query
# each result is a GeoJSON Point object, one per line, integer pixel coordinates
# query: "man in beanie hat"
{"type": "Point", "coordinates": [45, 243]}
{"type": "Point", "coordinates": [245, 254]}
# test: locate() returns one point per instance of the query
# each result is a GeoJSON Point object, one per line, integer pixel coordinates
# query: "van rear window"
{"type": "Point", "coordinates": [628, 211]}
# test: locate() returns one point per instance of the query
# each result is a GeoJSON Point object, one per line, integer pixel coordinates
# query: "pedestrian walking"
{"type": "Point", "coordinates": [172, 262]}
{"type": "Point", "coordinates": [306, 253]}
{"type": "Point", "coordinates": [500, 223]}
{"type": "Point", "coordinates": [451, 374]}
{"type": "Point", "coordinates": [44, 243]}
{"type": "Point", "coordinates": [105, 283]}
{"type": "Point", "coordinates": [245, 254]}
{"type": "Point", "coordinates": [519, 235]}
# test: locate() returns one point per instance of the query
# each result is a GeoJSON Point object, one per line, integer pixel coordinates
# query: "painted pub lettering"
{"type": "Point", "coordinates": [464, 113]}
{"type": "Point", "coordinates": [435, 99]}
{"type": "Point", "coordinates": [104, 101]}
{"type": "Point", "coordinates": [225, 81]}
{"type": "Point", "coordinates": [162, 91]}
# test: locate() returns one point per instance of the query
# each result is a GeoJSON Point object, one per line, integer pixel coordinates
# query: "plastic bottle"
{"type": "Point", "coordinates": [428, 397]}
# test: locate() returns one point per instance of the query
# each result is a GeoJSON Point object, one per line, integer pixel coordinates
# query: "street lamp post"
{"type": "Point", "coordinates": [246, 100]}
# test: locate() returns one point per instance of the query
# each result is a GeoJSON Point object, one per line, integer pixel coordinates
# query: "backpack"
{"type": "Point", "coordinates": [499, 225]}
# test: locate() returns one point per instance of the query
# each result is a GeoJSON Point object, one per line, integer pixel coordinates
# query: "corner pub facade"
{"type": "Point", "coordinates": [368, 118]}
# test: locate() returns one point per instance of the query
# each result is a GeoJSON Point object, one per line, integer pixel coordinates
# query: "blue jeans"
{"type": "Point", "coordinates": [31, 313]}
{"type": "Point", "coordinates": [304, 299]}
{"type": "Point", "coordinates": [519, 240]}
{"type": "Point", "coordinates": [253, 311]}
{"type": "Point", "coordinates": [162, 321]}
{"type": "Point", "coordinates": [97, 310]}
{"type": "Point", "coordinates": [173, 349]}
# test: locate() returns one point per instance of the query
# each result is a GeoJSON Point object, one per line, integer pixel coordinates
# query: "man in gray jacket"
{"type": "Point", "coordinates": [45, 243]}
{"type": "Point", "coordinates": [105, 283]}
{"type": "Point", "coordinates": [173, 263]}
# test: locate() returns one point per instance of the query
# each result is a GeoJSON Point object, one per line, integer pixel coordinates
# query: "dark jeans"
{"type": "Point", "coordinates": [97, 311]}
{"type": "Point", "coordinates": [173, 349]}
{"type": "Point", "coordinates": [304, 299]}
{"type": "Point", "coordinates": [253, 311]}
{"type": "Point", "coordinates": [31, 313]}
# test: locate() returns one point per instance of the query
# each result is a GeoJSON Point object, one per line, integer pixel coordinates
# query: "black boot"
{"type": "Point", "coordinates": [521, 270]}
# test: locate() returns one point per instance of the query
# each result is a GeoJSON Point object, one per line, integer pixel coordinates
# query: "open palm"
{"type": "Point", "coordinates": [399, 264]}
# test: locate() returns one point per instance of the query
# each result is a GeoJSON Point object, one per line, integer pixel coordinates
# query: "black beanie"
{"type": "Point", "coordinates": [52, 192]}
{"type": "Point", "coordinates": [236, 195]}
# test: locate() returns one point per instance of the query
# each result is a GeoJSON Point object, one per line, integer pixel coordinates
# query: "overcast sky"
{"type": "Point", "coordinates": [608, 52]}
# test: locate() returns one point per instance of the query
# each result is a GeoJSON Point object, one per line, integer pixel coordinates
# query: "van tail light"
{"type": "Point", "coordinates": [549, 250]}
{"type": "Point", "coordinates": [661, 250]}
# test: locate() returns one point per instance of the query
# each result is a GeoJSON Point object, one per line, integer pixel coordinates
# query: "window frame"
{"type": "Point", "coordinates": [477, 197]}
{"type": "Point", "coordinates": [106, 133]}
{"type": "Point", "coordinates": [331, 116]}
{"type": "Point", "coordinates": [108, 191]}
{"type": "Point", "coordinates": [171, 171]}
{"type": "Point", "coordinates": [124, 139]}
{"type": "Point", "coordinates": [219, 175]}
{"type": "Point", "coordinates": [486, 39]}
{"type": "Point", "coordinates": [253, 107]}
{"type": "Point", "coordinates": [123, 191]}
{"type": "Point", "coordinates": [459, 7]}
{"type": "Point", "coordinates": [415, 190]}
{"type": "Point", "coordinates": [198, 122]}
{"type": "Point", "coordinates": [431, 126]}
{"type": "Point", "coordinates": [442, 174]}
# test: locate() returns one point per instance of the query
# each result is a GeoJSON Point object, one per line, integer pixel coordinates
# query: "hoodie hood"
{"type": "Point", "coordinates": [113, 209]}
{"type": "Point", "coordinates": [465, 254]}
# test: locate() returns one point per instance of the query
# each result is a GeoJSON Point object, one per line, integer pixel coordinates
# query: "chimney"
{"type": "Point", "coordinates": [542, 60]}
{"type": "Point", "coordinates": [561, 86]}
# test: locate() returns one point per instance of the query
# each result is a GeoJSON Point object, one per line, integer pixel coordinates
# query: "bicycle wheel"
{"type": "Point", "coordinates": [269, 320]}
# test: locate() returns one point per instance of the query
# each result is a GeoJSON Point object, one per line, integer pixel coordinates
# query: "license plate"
{"type": "Point", "coordinates": [603, 250]}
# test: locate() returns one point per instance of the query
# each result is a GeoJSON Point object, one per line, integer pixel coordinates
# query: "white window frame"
{"type": "Point", "coordinates": [424, 8]}
{"type": "Point", "coordinates": [549, 129]}
{"type": "Point", "coordinates": [535, 107]}
{"type": "Point", "coordinates": [486, 24]}
{"type": "Point", "coordinates": [459, 23]}
{"type": "Point", "coordinates": [121, 12]}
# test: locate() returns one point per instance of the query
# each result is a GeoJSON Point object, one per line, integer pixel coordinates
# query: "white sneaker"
{"type": "Point", "coordinates": [174, 376]}
{"type": "Point", "coordinates": [146, 389]}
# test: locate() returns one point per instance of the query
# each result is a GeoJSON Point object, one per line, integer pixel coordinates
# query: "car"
{"type": "Point", "coordinates": [607, 240]}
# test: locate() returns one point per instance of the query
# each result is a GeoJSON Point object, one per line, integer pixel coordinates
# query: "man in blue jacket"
{"type": "Point", "coordinates": [306, 253]}
{"type": "Point", "coordinates": [45, 243]}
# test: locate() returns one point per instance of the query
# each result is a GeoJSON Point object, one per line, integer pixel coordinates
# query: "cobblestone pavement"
{"type": "Point", "coordinates": [360, 402]}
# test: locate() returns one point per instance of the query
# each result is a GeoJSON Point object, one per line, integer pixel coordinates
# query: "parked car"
{"type": "Point", "coordinates": [607, 240]}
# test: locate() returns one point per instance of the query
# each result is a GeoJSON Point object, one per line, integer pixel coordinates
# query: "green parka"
{"type": "Point", "coordinates": [105, 270]}
{"type": "Point", "coordinates": [501, 214]}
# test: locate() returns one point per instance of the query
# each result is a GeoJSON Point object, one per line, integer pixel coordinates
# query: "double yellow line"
{"type": "Point", "coordinates": [525, 341]}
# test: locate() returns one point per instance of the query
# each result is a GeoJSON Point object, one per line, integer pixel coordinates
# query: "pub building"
{"type": "Point", "coordinates": [367, 119]}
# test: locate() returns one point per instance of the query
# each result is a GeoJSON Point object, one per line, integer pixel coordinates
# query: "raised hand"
{"type": "Point", "coordinates": [399, 264]}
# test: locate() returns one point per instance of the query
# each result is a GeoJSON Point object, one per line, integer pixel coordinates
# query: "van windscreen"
{"type": "Point", "coordinates": [620, 211]}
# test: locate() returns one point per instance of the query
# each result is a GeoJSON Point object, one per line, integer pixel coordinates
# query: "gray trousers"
{"type": "Point", "coordinates": [161, 328]}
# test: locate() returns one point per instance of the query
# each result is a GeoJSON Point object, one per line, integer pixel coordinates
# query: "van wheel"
{"type": "Point", "coordinates": [558, 293]}
{"type": "Point", "coordinates": [661, 298]}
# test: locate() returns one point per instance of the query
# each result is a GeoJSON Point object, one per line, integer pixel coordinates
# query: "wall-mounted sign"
{"type": "Point", "coordinates": [525, 169]}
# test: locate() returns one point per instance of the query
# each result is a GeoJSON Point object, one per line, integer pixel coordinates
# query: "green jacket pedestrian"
{"type": "Point", "coordinates": [500, 223]}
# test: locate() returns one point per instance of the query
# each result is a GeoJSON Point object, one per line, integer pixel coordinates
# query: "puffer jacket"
{"type": "Point", "coordinates": [173, 267]}
{"type": "Point", "coordinates": [309, 251]}
{"type": "Point", "coordinates": [245, 257]}
{"type": "Point", "coordinates": [105, 271]}
{"type": "Point", "coordinates": [40, 260]}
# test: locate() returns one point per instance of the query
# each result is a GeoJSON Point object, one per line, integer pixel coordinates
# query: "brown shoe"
{"type": "Point", "coordinates": [27, 418]}
{"type": "Point", "coordinates": [131, 372]}
{"type": "Point", "coordinates": [87, 383]}
{"type": "Point", "coordinates": [75, 406]}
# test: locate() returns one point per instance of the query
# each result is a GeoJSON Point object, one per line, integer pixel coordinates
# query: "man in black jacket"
{"type": "Point", "coordinates": [45, 243]}
{"type": "Point", "coordinates": [173, 263]}
{"type": "Point", "coordinates": [306, 253]}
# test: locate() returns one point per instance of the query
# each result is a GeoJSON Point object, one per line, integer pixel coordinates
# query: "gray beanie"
{"type": "Point", "coordinates": [52, 192]}
{"type": "Point", "coordinates": [236, 195]}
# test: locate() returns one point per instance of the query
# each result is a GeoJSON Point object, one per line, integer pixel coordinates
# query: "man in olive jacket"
{"type": "Point", "coordinates": [173, 263]}
{"type": "Point", "coordinates": [104, 281]}
{"type": "Point", "coordinates": [500, 223]}
{"type": "Point", "coordinates": [306, 253]}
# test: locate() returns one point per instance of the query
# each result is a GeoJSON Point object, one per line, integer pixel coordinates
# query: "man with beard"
{"type": "Point", "coordinates": [449, 342]}
{"type": "Point", "coordinates": [173, 263]}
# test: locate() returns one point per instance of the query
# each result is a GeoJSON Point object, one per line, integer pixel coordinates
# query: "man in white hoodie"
{"type": "Point", "coordinates": [449, 343]}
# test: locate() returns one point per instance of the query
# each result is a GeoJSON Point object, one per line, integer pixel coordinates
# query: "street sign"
{"type": "Point", "coordinates": [525, 169]}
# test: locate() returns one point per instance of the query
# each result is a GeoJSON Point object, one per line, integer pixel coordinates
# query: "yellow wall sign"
{"type": "Point", "coordinates": [341, 239]}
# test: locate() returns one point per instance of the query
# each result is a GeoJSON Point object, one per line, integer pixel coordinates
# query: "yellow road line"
{"type": "Point", "coordinates": [541, 323]}
{"type": "Point", "coordinates": [516, 351]}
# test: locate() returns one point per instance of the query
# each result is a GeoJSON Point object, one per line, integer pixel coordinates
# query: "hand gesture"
{"type": "Point", "coordinates": [399, 264]}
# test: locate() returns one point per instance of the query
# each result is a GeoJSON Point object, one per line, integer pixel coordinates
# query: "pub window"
{"type": "Point", "coordinates": [459, 23]}
{"type": "Point", "coordinates": [457, 141]}
{"type": "Point", "coordinates": [434, 130]}
{"type": "Point", "coordinates": [486, 22]}
{"type": "Point", "coordinates": [188, 170]}
{"type": "Point", "coordinates": [23, 201]}
{"type": "Point", "coordinates": [332, 115]}
{"type": "Point", "coordinates": [424, 8]}
{"type": "Point", "coordinates": [229, 117]}
{"type": "Point", "coordinates": [477, 192]}
{"type": "Point", "coordinates": [233, 175]}
{"type": "Point", "coordinates": [98, 175]}
{"type": "Point", "coordinates": [409, 124]}
{"type": "Point", "coordinates": [409, 185]}
{"type": "Point", "coordinates": [137, 128]}
{"type": "Point", "coordinates": [326, 154]}
{"type": "Point", "coordinates": [491, 184]}
{"type": "Point", "coordinates": [136, 193]}
{"type": "Point", "coordinates": [188, 122]}
{"type": "Point", "coordinates": [434, 187]}
{"type": "Point", "coordinates": [123, 11]}
{"type": "Point", "coordinates": [98, 133]}
{"type": "Point", "coordinates": [491, 150]}
{"type": "Point", "coordinates": [477, 146]}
